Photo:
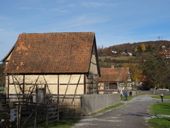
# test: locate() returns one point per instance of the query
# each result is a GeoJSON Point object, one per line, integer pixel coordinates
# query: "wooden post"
{"type": "Point", "coordinates": [18, 116]}
{"type": "Point", "coordinates": [8, 87]}
{"type": "Point", "coordinates": [85, 86]}
{"type": "Point", "coordinates": [46, 122]}
{"type": "Point", "coordinates": [46, 107]}
{"type": "Point", "coordinates": [92, 85]}
{"type": "Point", "coordinates": [58, 98]}
{"type": "Point", "coordinates": [35, 118]}
{"type": "Point", "coordinates": [23, 88]}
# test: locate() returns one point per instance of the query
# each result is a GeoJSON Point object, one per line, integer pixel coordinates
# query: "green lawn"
{"type": "Point", "coordinates": [62, 124]}
{"type": "Point", "coordinates": [130, 97]}
{"type": "Point", "coordinates": [159, 123]}
{"type": "Point", "coordinates": [162, 109]}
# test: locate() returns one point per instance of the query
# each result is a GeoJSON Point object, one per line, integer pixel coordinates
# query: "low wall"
{"type": "Point", "coordinates": [160, 91]}
{"type": "Point", "coordinates": [95, 102]}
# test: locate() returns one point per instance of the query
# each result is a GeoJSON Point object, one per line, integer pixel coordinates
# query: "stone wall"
{"type": "Point", "coordinates": [95, 102]}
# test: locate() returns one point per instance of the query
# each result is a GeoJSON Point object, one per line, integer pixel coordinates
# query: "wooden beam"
{"type": "Point", "coordinates": [93, 63]}
{"type": "Point", "coordinates": [8, 86]}
{"type": "Point", "coordinates": [51, 83]}
{"type": "Point", "coordinates": [46, 83]}
{"type": "Point", "coordinates": [19, 84]}
{"type": "Point", "coordinates": [35, 85]}
{"type": "Point", "coordinates": [58, 73]}
{"type": "Point", "coordinates": [76, 89]}
{"type": "Point", "coordinates": [23, 91]}
{"type": "Point", "coordinates": [67, 88]}
{"type": "Point", "coordinates": [15, 89]}
{"type": "Point", "coordinates": [85, 85]}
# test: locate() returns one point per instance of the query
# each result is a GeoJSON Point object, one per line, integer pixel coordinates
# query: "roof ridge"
{"type": "Point", "coordinates": [57, 33]}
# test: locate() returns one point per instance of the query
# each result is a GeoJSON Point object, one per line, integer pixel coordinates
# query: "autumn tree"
{"type": "Point", "coordinates": [135, 71]}
{"type": "Point", "coordinates": [140, 48]}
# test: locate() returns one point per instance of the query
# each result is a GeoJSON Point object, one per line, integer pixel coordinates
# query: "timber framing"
{"type": "Point", "coordinates": [36, 78]}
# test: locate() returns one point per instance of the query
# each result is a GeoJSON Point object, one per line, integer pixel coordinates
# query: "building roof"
{"type": "Point", "coordinates": [165, 53]}
{"type": "Point", "coordinates": [67, 52]}
{"type": "Point", "coordinates": [114, 74]}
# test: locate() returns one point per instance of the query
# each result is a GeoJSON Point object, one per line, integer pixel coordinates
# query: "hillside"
{"type": "Point", "coordinates": [133, 53]}
{"type": "Point", "coordinates": [135, 47]}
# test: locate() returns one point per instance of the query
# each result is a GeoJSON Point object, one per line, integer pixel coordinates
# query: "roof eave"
{"type": "Point", "coordinates": [45, 73]}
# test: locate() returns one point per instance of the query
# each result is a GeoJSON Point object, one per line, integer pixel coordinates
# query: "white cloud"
{"type": "Point", "coordinates": [59, 10]}
{"type": "Point", "coordinates": [27, 8]}
{"type": "Point", "coordinates": [86, 20]}
{"type": "Point", "coordinates": [97, 4]}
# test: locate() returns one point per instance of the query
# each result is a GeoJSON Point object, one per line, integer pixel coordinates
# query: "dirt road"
{"type": "Point", "coordinates": [131, 115]}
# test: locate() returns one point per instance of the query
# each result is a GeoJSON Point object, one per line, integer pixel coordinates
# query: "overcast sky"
{"type": "Point", "coordinates": [113, 21]}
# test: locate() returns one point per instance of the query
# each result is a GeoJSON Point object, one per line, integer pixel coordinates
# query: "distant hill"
{"type": "Point", "coordinates": [154, 46]}
{"type": "Point", "coordinates": [130, 52]}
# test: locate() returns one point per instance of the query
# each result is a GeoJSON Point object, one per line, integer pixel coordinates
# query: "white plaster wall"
{"type": "Point", "coordinates": [51, 81]}
{"type": "Point", "coordinates": [93, 65]}
{"type": "Point", "coordinates": [101, 87]}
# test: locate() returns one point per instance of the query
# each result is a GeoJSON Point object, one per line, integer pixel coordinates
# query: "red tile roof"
{"type": "Point", "coordinates": [114, 74]}
{"type": "Point", "coordinates": [51, 53]}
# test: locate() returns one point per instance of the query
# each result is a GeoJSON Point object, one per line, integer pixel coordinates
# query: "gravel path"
{"type": "Point", "coordinates": [130, 115]}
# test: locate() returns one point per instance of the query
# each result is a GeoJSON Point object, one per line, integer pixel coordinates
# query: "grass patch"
{"type": "Point", "coordinates": [130, 97]}
{"type": "Point", "coordinates": [63, 124]}
{"type": "Point", "coordinates": [124, 58]}
{"type": "Point", "coordinates": [158, 96]}
{"type": "Point", "coordinates": [160, 123]}
{"type": "Point", "coordinates": [161, 108]}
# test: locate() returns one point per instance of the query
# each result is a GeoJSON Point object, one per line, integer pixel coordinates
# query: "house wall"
{"type": "Point", "coordinates": [104, 90]}
{"type": "Point", "coordinates": [91, 79]}
{"type": "Point", "coordinates": [101, 87]}
{"type": "Point", "coordinates": [123, 85]}
{"type": "Point", "coordinates": [93, 65]}
{"type": "Point", "coordinates": [51, 80]}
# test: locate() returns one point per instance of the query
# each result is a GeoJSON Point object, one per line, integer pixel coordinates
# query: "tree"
{"type": "Point", "coordinates": [135, 71]}
{"type": "Point", "coordinates": [156, 69]}
{"type": "Point", "coordinates": [141, 48]}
